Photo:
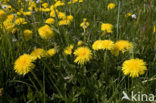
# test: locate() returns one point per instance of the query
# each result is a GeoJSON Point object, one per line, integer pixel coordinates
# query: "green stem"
{"type": "Point", "coordinates": [118, 18]}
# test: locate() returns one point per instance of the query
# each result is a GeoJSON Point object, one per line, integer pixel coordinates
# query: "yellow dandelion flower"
{"type": "Point", "coordinates": [27, 34]}
{"type": "Point", "coordinates": [70, 18]}
{"type": "Point", "coordinates": [64, 22]}
{"type": "Point", "coordinates": [45, 5]}
{"type": "Point", "coordinates": [61, 15]}
{"type": "Point", "coordinates": [80, 1]}
{"type": "Point", "coordinates": [20, 21]}
{"type": "Point", "coordinates": [128, 15]}
{"type": "Point", "coordinates": [134, 67]}
{"type": "Point", "coordinates": [38, 53]}
{"type": "Point", "coordinates": [83, 55]}
{"type": "Point", "coordinates": [106, 28]}
{"type": "Point", "coordinates": [68, 49]}
{"type": "Point", "coordinates": [3, 15]}
{"type": "Point", "coordinates": [84, 24]}
{"type": "Point", "coordinates": [24, 64]}
{"type": "Point", "coordinates": [9, 25]}
{"type": "Point", "coordinates": [10, 17]}
{"type": "Point", "coordinates": [27, 13]}
{"type": "Point", "coordinates": [53, 12]}
{"type": "Point", "coordinates": [79, 43]}
{"type": "Point", "coordinates": [72, 1]}
{"type": "Point", "coordinates": [110, 6]}
{"type": "Point", "coordinates": [45, 9]}
{"type": "Point", "coordinates": [50, 21]}
{"type": "Point", "coordinates": [121, 45]}
{"type": "Point", "coordinates": [51, 52]}
{"type": "Point", "coordinates": [45, 32]}
{"type": "Point", "coordinates": [59, 3]}
{"type": "Point", "coordinates": [103, 45]}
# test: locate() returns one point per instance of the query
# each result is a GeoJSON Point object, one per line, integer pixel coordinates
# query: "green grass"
{"type": "Point", "coordinates": [99, 81]}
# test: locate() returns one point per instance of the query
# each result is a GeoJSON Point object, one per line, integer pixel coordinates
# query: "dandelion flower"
{"type": "Point", "coordinates": [3, 15]}
{"type": "Point", "coordinates": [70, 18]}
{"type": "Point", "coordinates": [134, 67]}
{"type": "Point", "coordinates": [64, 22]}
{"type": "Point", "coordinates": [50, 21]}
{"type": "Point", "coordinates": [61, 15]}
{"type": "Point", "coordinates": [45, 5]}
{"type": "Point", "coordinates": [20, 21]}
{"type": "Point", "coordinates": [84, 24]}
{"type": "Point", "coordinates": [27, 34]}
{"type": "Point", "coordinates": [8, 24]}
{"type": "Point", "coordinates": [45, 32]}
{"type": "Point", "coordinates": [27, 13]}
{"type": "Point", "coordinates": [24, 64]}
{"type": "Point", "coordinates": [68, 49]}
{"type": "Point", "coordinates": [83, 55]}
{"type": "Point", "coordinates": [80, 1]}
{"type": "Point", "coordinates": [128, 15]}
{"type": "Point", "coordinates": [79, 43]}
{"type": "Point", "coordinates": [121, 45]}
{"type": "Point", "coordinates": [59, 3]}
{"type": "Point", "coordinates": [72, 1]}
{"type": "Point", "coordinates": [103, 45]}
{"type": "Point", "coordinates": [51, 52]}
{"type": "Point", "coordinates": [45, 9]}
{"type": "Point", "coordinates": [38, 53]}
{"type": "Point", "coordinates": [110, 6]}
{"type": "Point", "coordinates": [106, 28]}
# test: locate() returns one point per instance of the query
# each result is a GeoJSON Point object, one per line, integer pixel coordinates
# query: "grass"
{"type": "Point", "coordinates": [58, 79]}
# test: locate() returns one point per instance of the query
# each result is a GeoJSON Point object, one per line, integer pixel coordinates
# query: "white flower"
{"type": "Point", "coordinates": [38, 1]}
{"type": "Point", "coordinates": [134, 16]}
{"type": "Point", "coordinates": [4, 6]}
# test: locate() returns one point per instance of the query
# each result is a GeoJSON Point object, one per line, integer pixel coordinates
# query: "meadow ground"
{"type": "Point", "coordinates": [77, 51]}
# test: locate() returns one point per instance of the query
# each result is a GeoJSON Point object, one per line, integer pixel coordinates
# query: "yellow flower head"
{"type": "Point", "coordinates": [27, 34]}
{"type": "Point", "coordinates": [106, 28]}
{"type": "Point", "coordinates": [83, 55]}
{"type": "Point", "coordinates": [121, 45]}
{"type": "Point", "coordinates": [10, 17]}
{"type": "Point", "coordinates": [68, 49]}
{"type": "Point", "coordinates": [51, 52]}
{"type": "Point", "coordinates": [79, 43]}
{"type": "Point", "coordinates": [80, 1]}
{"type": "Point", "coordinates": [61, 15]}
{"type": "Point", "coordinates": [27, 13]}
{"type": "Point", "coordinates": [134, 67]}
{"type": "Point", "coordinates": [20, 21]}
{"type": "Point", "coordinates": [72, 1]}
{"type": "Point", "coordinates": [64, 22]}
{"type": "Point", "coordinates": [128, 15]}
{"type": "Point", "coordinates": [45, 32]}
{"type": "Point", "coordinates": [45, 5]}
{"type": "Point", "coordinates": [45, 9]}
{"type": "Point", "coordinates": [50, 21]}
{"type": "Point", "coordinates": [3, 15]}
{"type": "Point", "coordinates": [103, 45]}
{"type": "Point", "coordinates": [110, 6]}
{"type": "Point", "coordinates": [54, 12]}
{"type": "Point", "coordinates": [8, 23]}
{"type": "Point", "coordinates": [84, 24]}
{"type": "Point", "coordinates": [58, 3]}
{"type": "Point", "coordinates": [70, 18]}
{"type": "Point", "coordinates": [38, 53]}
{"type": "Point", "coordinates": [24, 64]}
